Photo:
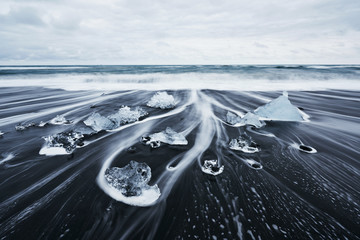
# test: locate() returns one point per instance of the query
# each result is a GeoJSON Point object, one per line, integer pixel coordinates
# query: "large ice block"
{"type": "Point", "coordinates": [280, 109]}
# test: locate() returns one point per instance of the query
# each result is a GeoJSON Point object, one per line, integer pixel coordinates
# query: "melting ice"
{"type": "Point", "coordinates": [132, 182]}
{"type": "Point", "coordinates": [280, 109]}
{"type": "Point", "coordinates": [123, 116]}
{"type": "Point", "coordinates": [162, 100]}
{"type": "Point", "coordinates": [21, 127]}
{"type": "Point", "coordinates": [61, 143]}
{"type": "Point", "coordinates": [211, 167]}
{"type": "Point", "coordinates": [168, 136]}
{"type": "Point", "coordinates": [244, 145]}
{"type": "Point", "coordinates": [249, 119]}
{"type": "Point", "coordinates": [59, 120]}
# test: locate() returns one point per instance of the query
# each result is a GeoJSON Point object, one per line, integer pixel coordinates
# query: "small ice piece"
{"type": "Point", "coordinates": [19, 127]}
{"type": "Point", "coordinates": [132, 182]}
{"type": "Point", "coordinates": [162, 100]}
{"type": "Point", "coordinates": [254, 164]}
{"type": "Point", "coordinates": [126, 115]}
{"type": "Point", "coordinates": [280, 109]}
{"type": "Point", "coordinates": [59, 120]}
{"type": "Point", "coordinates": [169, 136]}
{"type": "Point", "coordinates": [249, 119]}
{"type": "Point", "coordinates": [252, 119]}
{"type": "Point", "coordinates": [211, 167]}
{"type": "Point", "coordinates": [98, 122]}
{"type": "Point", "coordinates": [244, 145]}
{"type": "Point", "coordinates": [123, 116]}
{"type": "Point", "coordinates": [1, 133]}
{"type": "Point", "coordinates": [22, 127]}
{"type": "Point", "coordinates": [307, 149]}
{"type": "Point", "coordinates": [42, 124]}
{"type": "Point", "coordinates": [232, 118]}
{"type": "Point", "coordinates": [149, 141]}
{"type": "Point", "coordinates": [62, 143]}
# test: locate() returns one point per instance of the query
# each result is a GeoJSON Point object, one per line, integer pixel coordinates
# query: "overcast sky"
{"type": "Point", "coordinates": [179, 32]}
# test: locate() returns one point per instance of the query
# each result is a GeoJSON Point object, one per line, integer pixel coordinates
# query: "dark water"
{"type": "Point", "coordinates": [295, 195]}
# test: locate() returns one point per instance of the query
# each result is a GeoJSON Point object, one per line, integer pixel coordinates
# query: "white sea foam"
{"type": "Point", "coordinates": [166, 81]}
{"type": "Point", "coordinates": [6, 157]}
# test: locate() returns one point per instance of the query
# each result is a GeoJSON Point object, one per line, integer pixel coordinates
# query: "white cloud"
{"type": "Point", "coordinates": [182, 32]}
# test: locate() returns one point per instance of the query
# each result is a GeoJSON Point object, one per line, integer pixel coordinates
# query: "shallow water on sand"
{"type": "Point", "coordinates": [294, 195]}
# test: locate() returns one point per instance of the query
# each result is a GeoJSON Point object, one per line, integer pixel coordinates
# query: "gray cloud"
{"type": "Point", "coordinates": [182, 32]}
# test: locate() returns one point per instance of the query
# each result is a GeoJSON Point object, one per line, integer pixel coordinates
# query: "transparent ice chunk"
{"type": "Point", "coordinates": [162, 100]}
{"type": "Point", "coordinates": [232, 118]}
{"type": "Point", "coordinates": [249, 119]}
{"type": "Point", "coordinates": [280, 109]}
{"type": "Point", "coordinates": [132, 182]}
{"type": "Point", "coordinates": [42, 124]}
{"type": "Point", "coordinates": [126, 115]}
{"type": "Point", "coordinates": [61, 143]}
{"type": "Point", "coordinates": [211, 167]}
{"type": "Point", "coordinates": [123, 116]}
{"type": "Point", "coordinates": [59, 120]}
{"type": "Point", "coordinates": [252, 119]}
{"type": "Point", "coordinates": [244, 145]}
{"type": "Point", "coordinates": [98, 122]}
{"type": "Point", "coordinates": [168, 136]}
{"type": "Point", "coordinates": [21, 127]}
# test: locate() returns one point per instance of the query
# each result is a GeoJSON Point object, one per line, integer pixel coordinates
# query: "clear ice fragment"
{"type": "Point", "coordinates": [162, 100]}
{"type": "Point", "coordinates": [280, 109]}
{"type": "Point", "coordinates": [211, 167]}
{"type": "Point", "coordinates": [252, 119]}
{"type": "Point", "coordinates": [249, 119]}
{"type": "Point", "coordinates": [232, 118]}
{"type": "Point", "coordinates": [126, 115]}
{"type": "Point", "coordinates": [168, 136]}
{"type": "Point", "coordinates": [21, 127]}
{"type": "Point", "coordinates": [61, 143]}
{"type": "Point", "coordinates": [59, 120]}
{"type": "Point", "coordinates": [131, 180]}
{"type": "Point", "coordinates": [244, 145]}
{"type": "Point", "coordinates": [42, 124]}
{"type": "Point", "coordinates": [123, 116]}
{"type": "Point", "coordinates": [98, 122]}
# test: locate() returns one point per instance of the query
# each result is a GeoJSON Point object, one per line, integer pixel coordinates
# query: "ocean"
{"type": "Point", "coordinates": [180, 152]}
